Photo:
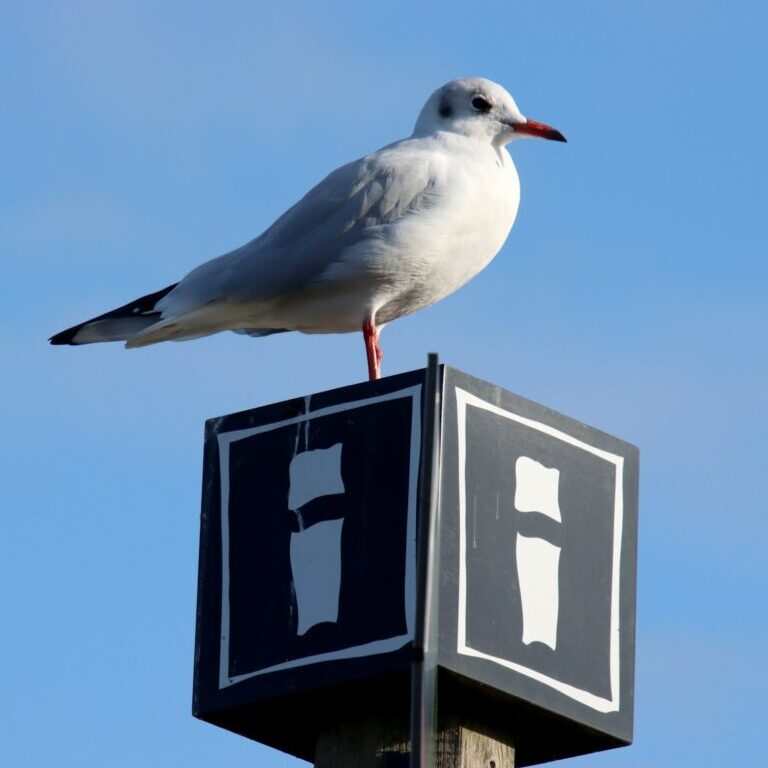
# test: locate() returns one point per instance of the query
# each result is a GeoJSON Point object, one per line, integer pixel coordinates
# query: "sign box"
{"type": "Point", "coordinates": [307, 587]}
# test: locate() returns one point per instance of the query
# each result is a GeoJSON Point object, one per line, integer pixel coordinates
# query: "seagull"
{"type": "Point", "coordinates": [379, 238]}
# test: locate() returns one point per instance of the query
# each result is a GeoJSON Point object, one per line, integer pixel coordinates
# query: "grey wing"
{"type": "Point", "coordinates": [353, 202]}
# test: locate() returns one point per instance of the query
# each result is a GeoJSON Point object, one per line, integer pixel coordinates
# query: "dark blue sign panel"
{"type": "Point", "coordinates": [550, 523]}
{"type": "Point", "coordinates": [539, 516]}
{"type": "Point", "coordinates": [318, 526]}
{"type": "Point", "coordinates": [307, 567]}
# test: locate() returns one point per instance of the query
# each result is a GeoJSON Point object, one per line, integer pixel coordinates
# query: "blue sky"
{"type": "Point", "coordinates": [139, 139]}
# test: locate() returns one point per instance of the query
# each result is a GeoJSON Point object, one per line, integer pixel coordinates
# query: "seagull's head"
{"type": "Point", "coordinates": [479, 109]}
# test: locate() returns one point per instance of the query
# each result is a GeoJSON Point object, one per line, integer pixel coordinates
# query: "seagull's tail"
{"type": "Point", "coordinates": [118, 325]}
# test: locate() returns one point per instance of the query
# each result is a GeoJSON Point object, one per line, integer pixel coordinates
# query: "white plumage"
{"type": "Point", "coordinates": [377, 239]}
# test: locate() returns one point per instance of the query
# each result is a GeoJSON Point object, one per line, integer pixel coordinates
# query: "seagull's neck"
{"type": "Point", "coordinates": [452, 141]}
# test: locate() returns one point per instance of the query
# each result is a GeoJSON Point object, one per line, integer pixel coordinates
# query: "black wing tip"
{"type": "Point", "coordinates": [144, 304]}
{"type": "Point", "coordinates": [65, 337]}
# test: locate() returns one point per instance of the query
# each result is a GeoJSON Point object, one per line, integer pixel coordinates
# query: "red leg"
{"type": "Point", "coordinates": [372, 349]}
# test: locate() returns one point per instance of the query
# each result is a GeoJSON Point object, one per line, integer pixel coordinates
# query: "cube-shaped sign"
{"type": "Point", "coordinates": [307, 591]}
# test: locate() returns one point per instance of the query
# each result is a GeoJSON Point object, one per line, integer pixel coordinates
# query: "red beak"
{"type": "Point", "coordinates": [542, 130]}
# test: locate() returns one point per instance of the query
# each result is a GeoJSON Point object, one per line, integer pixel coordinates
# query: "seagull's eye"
{"type": "Point", "coordinates": [481, 104]}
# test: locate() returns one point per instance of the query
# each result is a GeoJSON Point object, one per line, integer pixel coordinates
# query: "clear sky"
{"type": "Point", "coordinates": [138, 139]}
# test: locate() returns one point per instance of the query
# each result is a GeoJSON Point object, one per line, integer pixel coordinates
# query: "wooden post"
{"type": "Point", "coordinates": [460, 746]}
{"type": "Point", "coordinates": [377, 743]}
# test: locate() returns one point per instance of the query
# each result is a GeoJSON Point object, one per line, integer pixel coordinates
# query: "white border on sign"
{"type": "Point", "coordinates": [383, 645]}
{"type": "Point", "coordinates": [599, 703]}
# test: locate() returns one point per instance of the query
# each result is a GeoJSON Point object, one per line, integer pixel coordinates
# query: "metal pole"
{"type": "Point", "coordinates": [424, 666]}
